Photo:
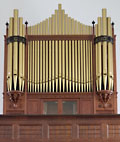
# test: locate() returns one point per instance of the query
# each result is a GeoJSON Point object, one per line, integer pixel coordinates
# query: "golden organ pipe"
{"type": "Point", "coordinates": [70, 63]}
{"type": "Point", "coordinates": [53, 54]}
{"type": "Point", "coordinates": [59, 50]}
{"type": "Point", "coordinates": [30, 52]}
{"type": "Point", "coordinates": [9, 61]}
{"type": "Point", "coordinates": [56, 51]}
{"type": "Point", "coordinates": [99, 55]}
{"type": "Point", "coordinates": [63, 52]}
{"type": "Point", "coordinates": [46, 78]}
{"type": "Point", "coordinates": [41, 60]}
{"type": "Point", "coordinates": [91, 65]}
{"type": "Point", "coordinates": [89, 55]}
{"type": "Point", "coordinates": [60, 70]}
{"type": "Point", "coordinates": [86, 54]}
{"type": "Point", "coordinates": [76, 67]}
{"type": "Point", "coordinates": [79, 49]}
{"type": "Point", "coordinates": [96, 28]}
{"type": "Point", "coordinates": [43, 65]}
{"type": "Point", "coordinates": [70, 57]}
{"type": "Point", "coordinates": [46, 66]}
{"type": "Point", "coordinates": [15, 51]}
{"type": "Point", "coordinates": [76, 59]}
{"type": "Point", "coordinates": [33, 61]}
{"type": "Point", "coordinates": [84, 62]}
{"type": "Point", "coordinates": [50, 61]}
{"type": "Point", "coordinates": [38, 59]}
{"type": "Point", "coordinates": [104, 25]}
{"type": "Point", "coordinates": [44, 72]}
{"type": "Point", "coordinates": [50, 54]}
{"type": "Point", "coordinates": [82, 71]}
{"type": "Point", "coordinates": [28, 61]}
{"type": "Point", "coordinates": [20, 55]}
{"type": "Point", "coordinates": [66, 53]}
{"type": "Point", "coordinates": [23, 56]}
{"type": "Point", "coordinates": [110, 56]}
{"type": "Point", "coordinates": [36, 63]}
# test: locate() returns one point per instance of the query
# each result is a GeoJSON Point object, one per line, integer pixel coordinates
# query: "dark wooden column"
{"type": "Point", "coordinates": [26, 67]}
{"type": "Point", "coordinates": [5, 70]}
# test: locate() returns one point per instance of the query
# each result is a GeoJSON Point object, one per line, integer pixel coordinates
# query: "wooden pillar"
{"type": "Point", "coordinates": [5, 70]}
{"type": "Point", "coordinates": [94, 67]}
{"type": "Point", "coordinates": [26, 67]}
{"type": "Point", "coordinates": [114, 69]}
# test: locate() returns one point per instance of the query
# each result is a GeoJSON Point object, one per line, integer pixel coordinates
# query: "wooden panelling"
{"type": "Point", "coordinates": [33, 106]}
{"type": "Point", "coordinates": [30, 131]}
{"type": "Point", "coordinates": [62, 128]}
{"type": "Point", "coordinates": [5, 131]}
{"type": "Point", "coordinates": [89, 131]}
{"type": "Point", "coordinates": [60, 131]}
{"type": "Point", "coordinates": [86, 107]}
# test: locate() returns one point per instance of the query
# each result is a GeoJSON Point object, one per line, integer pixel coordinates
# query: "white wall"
{"type": "Point", "coordinates": [35, 11]}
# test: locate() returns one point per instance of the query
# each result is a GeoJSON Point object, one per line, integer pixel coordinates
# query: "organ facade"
{"type": "Point", "coordinates": [63, 70]}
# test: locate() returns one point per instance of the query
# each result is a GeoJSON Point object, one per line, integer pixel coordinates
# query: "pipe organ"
{"type": "Point", "coordinates": [60, 56]}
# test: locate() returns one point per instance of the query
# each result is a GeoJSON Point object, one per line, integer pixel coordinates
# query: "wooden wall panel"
{"type": "Point", "coordinates": [86, 107]}
{"type": "Point", "coordinates": [33, 107]}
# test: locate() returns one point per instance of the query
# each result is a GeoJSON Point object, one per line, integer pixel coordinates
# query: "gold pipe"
{"type": "Point", "coordinates": [9, 57]}
{"type": "Point", "coordinates": [66, 65]}
{"type": "Point", "coordinates": [20, 55]}
{"type": "Point", "coordinates": [53, 55]}
{"type": "Point", "coordinates": [38, 59]}
{"type": "Point", "coordinates": [82, 65]}
{"type": "Point", "coordinates": [59, 18]}
{"type": "Point", "coordinates": [41, 59]}
{"type": "Point", "coordinates": [88, 54]}
{"type": "Point", "coordinates": [96, 30]}
{"type": "Point", "coordinates": [99, 56]}
{"type": "Point", "coordinates": [59, 61]}
{"type": "Point", "coordinates": [50, 26]}
{"type": "Point", "coordinates": [23, 53]}
{"type": "Point", "coordinates": [43, 55]}
{"type": "Point", "coordinates": [33, 61]}
{"type": "Point", "coordinates": [46, 78]}
{"type": "Point", "coordinates": [50, 54]}
{"type": "Point", "coordinates": [70, 56]}
{"type": "Point", "coordinates": [15, 51]}
{"type": "Point", "coordinates": [43, 65]}
{"type": "Point", "coordinates": [56, 50]}
{"type": "Point", "coordinates": [87, 73]}
{"type": "Point", "coordinates": [76, 66]}
{"type": "Point", "coordinates": [73, 58]}
{"type": "Point", "coordinates": [104, 26]}
{"type": "Point", "coordinates": [46, 66]}
{"type": "Point", "coordinates": [84, 62]}
{"type": "Point", "coordinates": [110, 56]}
{"type": "Point", "coordinates": [50, 64]}
{"type": "Point", "coordinates": [70, 63]}
{"type": "Point", "coordinates": [79, 69]}
{"type": "Point", "coordinates": [66, 53]}
{"type": "Point", "coordinates": [63, 52]}
{"type": "Point", "coordinates": [53, 66]}
{"type": "Point", "coordinates": [30, 61]}
{"type": "Point", "coordinates": [91, 66]}
{"type": "Point", "coordinates": [60, 48]}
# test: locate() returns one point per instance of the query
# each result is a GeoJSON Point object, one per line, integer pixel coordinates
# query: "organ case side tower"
{"type": "Point", "coordinates": [60, 60]}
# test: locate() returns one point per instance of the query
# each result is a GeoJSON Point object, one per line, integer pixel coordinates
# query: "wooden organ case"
{"type": "Point", "coordinates": [60, 66]}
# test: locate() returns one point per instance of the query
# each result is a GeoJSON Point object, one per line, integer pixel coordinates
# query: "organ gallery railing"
{"type": "Point", "coordinates": [60, 54]}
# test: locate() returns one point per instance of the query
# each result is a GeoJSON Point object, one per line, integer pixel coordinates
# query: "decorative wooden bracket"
{"type": "Point", "coordinates": [14, 97]}
{"type": "Point", "coordinates": [104, 96]}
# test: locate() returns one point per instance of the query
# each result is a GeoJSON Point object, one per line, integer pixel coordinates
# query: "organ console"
{"type": "Point", "coordinates": [60, 59]}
